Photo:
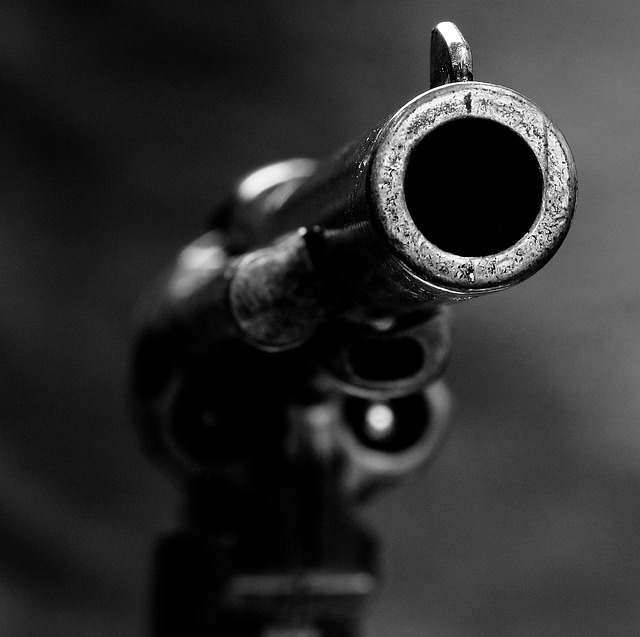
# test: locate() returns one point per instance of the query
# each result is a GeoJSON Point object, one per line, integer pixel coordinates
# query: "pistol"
{"type": "Point", "coordinates": [288, 366]}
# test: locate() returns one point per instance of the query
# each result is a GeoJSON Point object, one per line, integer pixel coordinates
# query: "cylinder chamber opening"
{"type": "Point", "coordinates": [473, 187]}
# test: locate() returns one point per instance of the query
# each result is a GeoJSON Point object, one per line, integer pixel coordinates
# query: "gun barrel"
{"type": "Point", "coordinates": [466, 190]}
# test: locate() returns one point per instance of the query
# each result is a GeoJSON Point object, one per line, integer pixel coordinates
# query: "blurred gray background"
{"type": "Point", "coordinates": [123, 123]}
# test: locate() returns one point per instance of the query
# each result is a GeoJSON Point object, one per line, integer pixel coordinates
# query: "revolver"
{"type": "Point", "coordinates": [288, 366]}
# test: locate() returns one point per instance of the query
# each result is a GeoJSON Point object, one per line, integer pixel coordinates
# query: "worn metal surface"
{"type": "Point", "coordinates": [275, 295]}
{"type": "Point", "coordinates": [451, 59]}
{"type": "Point", "coordinates": [448, 275]}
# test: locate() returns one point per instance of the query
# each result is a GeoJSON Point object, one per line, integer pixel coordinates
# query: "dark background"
{"type": "Point", "coordinates": [122, 123]}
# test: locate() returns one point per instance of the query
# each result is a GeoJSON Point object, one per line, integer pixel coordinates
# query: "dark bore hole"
{"type": "Point", "coordinates": [386, 358]}
{"type": "Point", "coordinates": [473, 187]}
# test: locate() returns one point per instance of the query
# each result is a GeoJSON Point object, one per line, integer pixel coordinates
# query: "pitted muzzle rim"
{"type": "Point", "coordinates": [444, 270]}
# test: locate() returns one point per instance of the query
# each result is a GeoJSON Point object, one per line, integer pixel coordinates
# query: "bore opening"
{"type": "Point", "coordinates": [473, 187]}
